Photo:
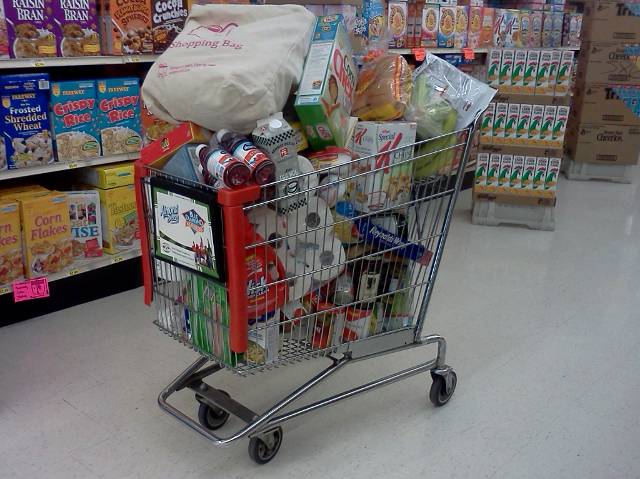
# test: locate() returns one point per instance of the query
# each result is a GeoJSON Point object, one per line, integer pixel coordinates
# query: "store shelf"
{"type": "Point", "coordinates": [74, 61]}
{"type": "Point", "coordinates": [437, 51]}
{"type": "Point", "coordinates": [85, 265]}
{"type": "Point", "coordinates": [61, 166]}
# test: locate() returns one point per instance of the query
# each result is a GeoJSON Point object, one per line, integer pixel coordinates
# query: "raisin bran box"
{"type": "Point", "coordinates": [76, 27]}
{"type": "Point", "coordinates": [119, 115]}
{"type": "Point", "coordinates": [167, 19]}
{"type": "Point", "coordinates": [30, 27]}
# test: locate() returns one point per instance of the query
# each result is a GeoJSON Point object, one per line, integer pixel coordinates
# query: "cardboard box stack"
{"type": "Point", "coordinates": [604, 126]}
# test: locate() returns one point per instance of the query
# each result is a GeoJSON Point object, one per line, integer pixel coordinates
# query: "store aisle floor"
{"type": "Point", "coordinates": [543, 331]}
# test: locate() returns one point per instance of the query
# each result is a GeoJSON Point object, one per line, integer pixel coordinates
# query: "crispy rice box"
{"type": "Point", "coordinates": [119, 115]}
{"type": "Point", "coordinates": [11, 267]}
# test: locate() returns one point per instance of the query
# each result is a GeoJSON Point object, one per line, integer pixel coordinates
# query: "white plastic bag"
{"type": "Point", "coordinates": [230, 66]}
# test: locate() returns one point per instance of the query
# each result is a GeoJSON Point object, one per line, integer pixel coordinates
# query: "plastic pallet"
{"type": "Point", "coordinates": [491, 213]}
{"type": "Point", "coordinates": [595, 171]}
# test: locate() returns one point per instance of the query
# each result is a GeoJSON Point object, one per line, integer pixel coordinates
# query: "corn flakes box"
{"type": "Point", "coordinates": [11, 267]}
{"type": "Point", "coordinates": [30, 28]}
{"type": "Point", "coordinates": [447, 27]}
{"type": "Point", "coordinates": [86, 224]}
{"type": "Point", "coordinates": [76, 27]}
{"type": "Point", "coordinates": [108, 176]}
{"type": "Point", "coordinates": [119, 115]}
{"type": "Point", "coordinates": [46, 234]}
{"type": "Point", "coordinates": [119, 219]}
{"type": "Point", "coordinates": [14, 192]}
{"type": "Point", "coordinates": [74, 114]}
{"type": "Point", "coordinates": [125, 27]}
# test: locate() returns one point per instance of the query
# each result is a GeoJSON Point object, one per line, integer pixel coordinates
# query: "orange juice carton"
{"type": "Point", "coordinates": [506, 67]}
{"type": "Point", "coordinates": [429, 27]}
{"type": "Point", "coordinates": [560, 125]}
{"type": "Point", "coordinates": [524, 17]}
{"type": "Point", "coordinates": [511, 125]}
{"type": "Point", "coordinates": [517, 72]}
{"type": "Point", "coordinates": [530, 72]}
{"type": "Point", "coordinates": [522, 129]}
{"type": "Point", "coordinates": [447, 27]}
{"type": "Point", "coordinates": [482, 166]}
{"type": "Point", "coordinates": [535, 32]}
{"type": "Point", "coordinates": [475, 27]}
{"type": "Point", "coordinates": [540, 173]}
{"type": "Point", "coordinates": [11, 267]}
{"type": "Point", "coordinates": [528, 172]}
{"type": "Point", "coordinates": [499, 123]}
{"type": "Point", "coordinates": [504, 174]}
{"type": "Point", "coordinates": [542, 77]}
{"type": "Point", "coordinates": [462, 26]}
{"type": "Point", "coordinates": [398, 11]}
{"type": "Point", "coordinates": [516, 173]}
{"type": "Point", "coordinates": [46, 233]}
{"type": "Point", "coordinates": [546, 130]}
{"type": "Point", "coordinates": [535, 124]}
{"type": "Point", "coordinates": [563, 79]}
{"type": "Point", "coordinates": [486, 124]}
{"type": "Point", "coordinates": [551, 180]}
{"type": "Point", "coordinates": [493, 171]}
{"type": "Point", "coordinates": [486, 30]}
{"type": "Point", "coordinates": [494, 60]}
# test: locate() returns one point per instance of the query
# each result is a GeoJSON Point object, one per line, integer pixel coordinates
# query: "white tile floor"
{"type": "Point", "coordinates": [543, 330]}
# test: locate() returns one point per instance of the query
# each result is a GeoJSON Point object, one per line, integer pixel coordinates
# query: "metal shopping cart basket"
{"type": "Point", "coordinates": [343, 270]}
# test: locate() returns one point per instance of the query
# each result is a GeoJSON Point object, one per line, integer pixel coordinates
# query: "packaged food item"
{"type": "Point", "coordinates": [397, 21]}
{"type": "Point", "coordinates": [482, 165]}
{"type": "Point", "coordinates": [152, 127]}
{"type": "Point", "coordinates": [383, 89]}
{"type": "Point", "coordinates": [107, 176]}
{"type": "Point", "coordinates": [373, 12]}
{"type": "Point", "coordinates": [518, 71]}
{"type": "Point", "coordinates": [46, 233]}
{"type": "Point", "coordinates": [547, 29]}
{"type": "Point", "coordinates": [563, 79]}
{"type": "Point", "coordinates": [430, 23]}
{"type": "Point", "coordinates": [25, 110]}
{"type": "Point", "coordinates": [167, 20]}
{"type": "Point", "coordinates": [535, 34]}
{"type": "Point", "coordinates": [511, 125]}
{"type": "Point", "coordinates": [542, 77]}
{"type": "Point", "coordinates": [506, 67]}
{"type": "Point", "coordinates": [535, 125]}
{"type": "Point", "coordinates": [516, 173]}
{"type": "Point", "coordinates": [571, 29]}
{"type": "Point", "coordinates": [4, 34]}
{"type": "Point", "coordinates": [447, 27]}
{"type": "Point", "coordinates": [528, 173]}
{"type": "Point", "coordinates": [493, 67]}
{"type": "Point", "coordinates": [522, 130]}
{"type": "Point", "coordinates": [11, 265]}
{"type": "Point", "coordinates": [411, 16]}
{"type": "Point", "coordinates": [119, 219]}
{"type": "Point", "coordinates": [540, 173]}
{"type": "Point", "coordinates": [327, 88]}
{"type": "Point", "coordinates": [553, 170]}
{"type": "Point", "coordinates": [560, 125]}
{"type": "Point", "coordinates": [126, 27]}
{"type": "Point", "coordinates": [264, 338]}
{"type": "Point", "coordinates": [493, 171]}
{"type": "Point", "coordinates": [75, 120]}
{"type": "Point", "coordinates": [86, 223]}
{"type": "Point", "coordinates": [554, 65]}
{"type": "Point", "coordinates": [546, 130]}
{"type": "Point", "coordinates": [499, 123]}
{"type": "Point", "coordinates": [475, 27]}
{"type": "Point", "coordinates": [556, 29]}
{"type": "Point", "coordinates": [30, 27]}
{"type": "Point", "coordinates": [530, 72]}
{"type": "Point", "coordinates": [263, 170]}
{"type": "Point", "coordinates": [486, 31]}
{"type": "Point", "coordinates": [417, 25]}
{"type": "Point", "coordinates": [506, 28]}
{"type": "Point", "coordinates": [76, 26]}
{"type": "Point", "coordinates": [16, 192]}
{"type": "Point", "coordinates": [358, 322]}
{"type": "Point", "coordinates": [462, 26]}
{"type": "Point", "coordinates": [119, 116]}
{"type": "Point", "coordinates": [525, 28]}
{"type": "Point", "coordinates": [486, 124]}
{"type": "Point", "coordinates": [504, 176]}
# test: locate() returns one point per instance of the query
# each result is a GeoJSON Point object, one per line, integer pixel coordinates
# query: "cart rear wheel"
{"type": "Point", "coordinates": [212, 417]}
{"type": "Point", "coordinates": [439, 393]}
{"type": "Point", "coordinates": [265, 447]}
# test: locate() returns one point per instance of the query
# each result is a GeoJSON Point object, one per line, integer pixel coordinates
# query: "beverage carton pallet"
{"type": "Point", "coordinates": [596, 171]}
{"type": "Point", "coordinates": [493, 213]}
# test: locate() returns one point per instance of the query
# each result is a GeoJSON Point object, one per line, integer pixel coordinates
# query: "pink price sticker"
{"type": "Point", "coordinates": [468, 53]}
{"type": "Point", "coordinates": [30, 289]}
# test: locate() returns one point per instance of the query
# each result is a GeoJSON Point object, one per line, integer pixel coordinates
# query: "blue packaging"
{"type": "Point", "coordinates": [74, 114]}
{"type": "Point", "coordinates": [25, 115]}
{"type": "Point", "coordinates": [119, 115]}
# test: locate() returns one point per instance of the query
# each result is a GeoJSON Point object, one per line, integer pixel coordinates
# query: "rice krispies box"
{"type": "Point", "coordinates": [119, 115]}
{"type": "Point", "coordinates": [86, 223]}
{"type": "Point", "coordinates": [326, 91]}
{"type": "Point", "coordinates": [30, 27]}
{"type": "Point", "coordinates": [125, 27]}
{"type": "Point", "coordinates": [24, 107]}
{"type": "Point", "coordinates": [74, 115]}
{"type": "Point", "coordinates": [167, 19]}
{"type": "Point", "coordinates": [76, 27]}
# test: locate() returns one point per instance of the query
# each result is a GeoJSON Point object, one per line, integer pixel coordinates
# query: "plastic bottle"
{"type": "Point", "coordinates": [262, 167]}
{"type": "Point", "coordinates": [218, 163]}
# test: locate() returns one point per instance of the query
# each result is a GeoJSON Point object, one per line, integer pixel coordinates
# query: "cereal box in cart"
{"type": "Point", "coordinates": [24, 107]}
{"type": "Point", "coordinates": [30, 27]}
{"type": "Point", "coordinates": [11, 267]}
{"type": "Point", "coordinates": [119, 115]}
{"type": "Point", "coordinates": [76, 27]}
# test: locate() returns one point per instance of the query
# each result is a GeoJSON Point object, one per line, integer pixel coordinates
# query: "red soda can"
{"type": "Point", "coordinates": [223, 166]}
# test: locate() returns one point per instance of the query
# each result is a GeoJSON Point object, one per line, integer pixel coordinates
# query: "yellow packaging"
{"type": "Point", "coordinates": [11, 267]}
{"type": "Point", "coordinates": [108, 176]}
{"type": "Point", "coordinates": [46, 234]}
{"type": "Point", "coordinates": [119, 219]}
{"type": "Point", "coordinates": [14, 192]}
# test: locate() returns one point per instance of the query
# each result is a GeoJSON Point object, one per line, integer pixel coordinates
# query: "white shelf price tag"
{"type": "Point", "coordinates": [39, 63]}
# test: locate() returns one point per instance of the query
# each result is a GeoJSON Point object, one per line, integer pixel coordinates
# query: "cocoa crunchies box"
{"type": "Point", "coordinates": [125, 27]}
{"type": "Point", "coordinates": [76, 27]}
{"type": "Point", "coordinates": [30, 27]}
{"type": "Point", "coordinates": [168, 18]}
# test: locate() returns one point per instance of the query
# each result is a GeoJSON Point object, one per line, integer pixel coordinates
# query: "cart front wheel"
{"type": "Point", "coordinates": [265, 447]}
{"type": "Point", "coordinates": [212, 417]}
{"type": "Point", "coordinates": [440, 392]}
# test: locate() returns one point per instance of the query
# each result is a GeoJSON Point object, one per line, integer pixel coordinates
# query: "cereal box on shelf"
{"type": "Point", "coordinates": [30, 27]}
{"type": "Point", "coordinates": [167, 19]}
{"type": "Point", "coordinates": [119, 115]}
{"type": "Point", "coordinates": [86, 224]}
{"type": "Point", "coordinates": [11, 267]}
{"type": "Point", "coordinates": [325, 94]}
{"type": "Point", "coordinates": [46, 233]}
{"type": "Point", "coordinates": [535, 33]}
{"type": "Point", "coordinates": [525, 28]}
{"type": "Point", "coordinates": [74, 115]}
{"type": "Point", "coordinates": [24, 107]}
{"type": "Point", "coordinates": [76, 27]}
{"type": "Point", "coordinates": [4, 34]}
{"type": "Point", "coordinates": [447, 27]}
{"type": "Point", "coordinates": [125, 27]}
{"type": "Point", "coordinates": [486, 31]}
{"type": "Point", "coordinates": [107, 176]}
{"type": "Point", "coordinates": [462, 25]}
{"type": "Point", "coordinates": [398, 12]}
{"type": "Point", "coordinates": [475, 27]}
{"type": "Point", "coordinates": [3, 155]}
{"type": "Point", "coordinates": [430, 22]}
{"type": "Point", "coordinates": [119, 219]}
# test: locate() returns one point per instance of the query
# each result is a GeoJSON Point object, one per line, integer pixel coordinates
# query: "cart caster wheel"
{"type": "Point", "coordinates": [212, 417]}
{"type": "Point", "coordinates": [440, 393]}
{"type": "Point", "coordinates": [265, 447]}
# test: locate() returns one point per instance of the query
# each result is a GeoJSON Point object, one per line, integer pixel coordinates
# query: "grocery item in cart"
{"type": "Point", "coordinates": [86, 223]}
{"type": "Point", "coordinates": [126, 27]}
{"type": "Point", "coordinates": [30, 27]}
{"type": "Point", "coordinates": [256, 60]}
{"type": "Point", "coordinates": [152, 127]}
{"type": "Point", "coordinates": [219, 164]}
{"type": "Point", "coordinates": [325, 95]}
{"type": "Point", "coordinates": [47, 233]}
{"type": "Point", "coordinates": [25, 110]}
{"type": "Point", "coordinates": [119, 115]}
{"type": "Point", "coordinates": [76, 27]}
{"type": "Point", "coordinates": [264, 338]}
{"type": "Point", "coordinates": [383, 89]}
{"type": "Point", "coordinates": [167, 20]}
{"type": "Point", "coordinates": [262, 167]}
{"type": "Point", "coordinates": [11, 267]}
{"type": "Point", "coordinates": [74, 113]}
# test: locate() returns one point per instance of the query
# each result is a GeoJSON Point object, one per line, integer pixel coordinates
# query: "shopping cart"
{"type": "Point", "coordinates": [295, 280]}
